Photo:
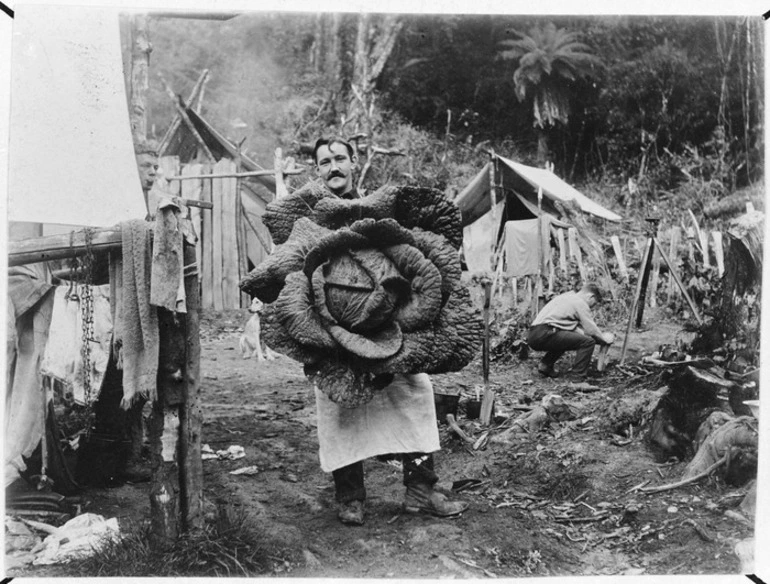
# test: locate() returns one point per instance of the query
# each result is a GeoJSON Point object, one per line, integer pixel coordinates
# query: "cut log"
{"type": "Point", "coordinates": [737, 440]}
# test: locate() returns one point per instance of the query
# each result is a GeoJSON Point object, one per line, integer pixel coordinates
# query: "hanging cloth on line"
{"type": "Point", "coordinates": [63, 358]}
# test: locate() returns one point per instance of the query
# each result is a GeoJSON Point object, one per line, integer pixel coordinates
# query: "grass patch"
{"type": "Point", "coordinates": [230, 546]}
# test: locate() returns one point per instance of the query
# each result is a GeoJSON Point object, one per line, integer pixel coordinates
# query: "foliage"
{"type": "Point", "coordinates": [549, 59]}
{"type": "Point", "coordinates": [672, 120]}
{"type": "Point", "coordinates": [229, 546]}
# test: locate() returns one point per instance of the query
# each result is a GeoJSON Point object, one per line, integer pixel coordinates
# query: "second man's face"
{"type": "Point", "coordinates": [335, 168]}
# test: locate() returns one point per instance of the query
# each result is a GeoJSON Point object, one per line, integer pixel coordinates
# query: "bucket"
{"type": "Point", "coordinates": [445, 404]}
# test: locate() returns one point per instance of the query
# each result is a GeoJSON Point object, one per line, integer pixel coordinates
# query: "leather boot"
{"type": "Point", "coordinates": [421, 498]}
{"type": "Point", "coordinates": [351, 513]}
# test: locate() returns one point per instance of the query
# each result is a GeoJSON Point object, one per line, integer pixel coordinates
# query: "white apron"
{"type": "Point", "coordinates": [400, 418]}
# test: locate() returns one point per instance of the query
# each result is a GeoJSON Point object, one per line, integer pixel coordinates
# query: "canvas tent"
{"type": "Point", "coordinates": [515, 197]}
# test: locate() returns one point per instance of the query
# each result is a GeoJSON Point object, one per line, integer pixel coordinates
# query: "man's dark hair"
{"type": "Point", "coordinates": [146, 147]}
{"type": "Point", "coordinates": [596, 291]}
{"type": "Point", "coordinates": [328, 142]}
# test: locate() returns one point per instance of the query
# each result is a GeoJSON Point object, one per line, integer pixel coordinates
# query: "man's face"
{"type": "Point", "coordinates": [334, 166]}
{"type": "Point", "coordinates": [148, 166]}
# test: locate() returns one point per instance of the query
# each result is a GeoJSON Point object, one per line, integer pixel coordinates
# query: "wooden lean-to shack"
{"type": "Point", "coordinates": [232, 236]}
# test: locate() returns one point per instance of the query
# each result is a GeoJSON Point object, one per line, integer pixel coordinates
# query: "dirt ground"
{"type": "Point", "coordinates": [558, 502]}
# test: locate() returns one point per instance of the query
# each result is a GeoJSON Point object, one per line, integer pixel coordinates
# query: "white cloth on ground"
{"type": "Point", "coordinates": [400, 418]}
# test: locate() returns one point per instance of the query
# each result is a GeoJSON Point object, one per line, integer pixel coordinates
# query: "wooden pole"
{"type": "Point", "coordinates": [246, 174]}
{"type": "Point", "coordinates": [489, 395]}
{"type": "Point", "coordinates": [206, 269]}
{"type": "Point", "coordinates": [492, 201]}
{"type": "Point", "coordinates": [655, 276]}
{"type": "Point", "coordinates": [265, 244]}
{"type": "Point", "coordinates": [195, 94]}
{"type": "Point", "coordinates": [644, 280]}
{"type": "Point", "coordinates": [673, 251]}
{"type": "Point", "coordinates": [539, 282]}
{"type": "Point", "coordinates": [562, 251]}
{"type": "Point", "coordinates": [681, 286]}
{"type": "Point", "coordinates": [575, 252]}
{"type": "Point", "coordinates": [637, 296]}
{"type": "Point", "coordinates": [139, 76]}
{"type": "Point", "coordinates": [190, 414]}
{"type": "Point", "coordinates": [719, 252]}
{"type": "Point", "coordinates": [515, 286]}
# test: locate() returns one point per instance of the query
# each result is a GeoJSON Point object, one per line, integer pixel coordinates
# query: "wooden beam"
{"type": "Point", "coordinates": [246, 174]}
{"type": "Point", "coordinates": [62, 246]}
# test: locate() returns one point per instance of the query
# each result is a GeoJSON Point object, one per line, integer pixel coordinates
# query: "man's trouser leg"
{"type": "Point", "coordinates": [556, 342]}
{"type": "Point", "coordinates": [349, 483]}
{"type": "Point", "coordinates": [418, 469]}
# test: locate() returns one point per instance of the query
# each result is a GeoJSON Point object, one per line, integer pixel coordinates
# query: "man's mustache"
{"type": "Point", "coordinates": [336, 173]}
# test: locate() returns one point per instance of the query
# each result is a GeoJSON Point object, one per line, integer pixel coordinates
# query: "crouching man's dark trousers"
{"type": "Point", "coordinates": [556, 342]}
{"type": "Point", "coordinates": [349, 480]}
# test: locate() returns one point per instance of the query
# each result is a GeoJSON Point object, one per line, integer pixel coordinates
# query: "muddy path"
{"type": "Point", "coordinates": [560, 501]}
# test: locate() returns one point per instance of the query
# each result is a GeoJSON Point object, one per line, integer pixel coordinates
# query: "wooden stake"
{"type": "Point", "coordinates": [574, 250]}
{"type": "Point", "coordinates": [637, 296]}
{"type": "Point", "coordinates": [655, 276]}
{"type": "Point", "coordinates": [619, 256]}
{"type": "Point", "coordinates": [190, 415]}
{"type": "Point", "coordinates": [719, 252]}
{"type": "Point", "coordinates": [673, 251]}
{"type": "Point", "coordinates": [681, 287]}
{"type": "Point", "coordinates": [644, 280]}
{"type": "Point", "coordinates": [562, 251]}
{"type": "Point", "coordinates": [206, 267]}
{"type": "Point", "coordinates": [489, 395]}
{"type": "Point", "coordinates": [515, 286]}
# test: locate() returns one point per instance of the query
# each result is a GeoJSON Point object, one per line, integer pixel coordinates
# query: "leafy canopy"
{"type": "Point", "coordinates": [549, 59]}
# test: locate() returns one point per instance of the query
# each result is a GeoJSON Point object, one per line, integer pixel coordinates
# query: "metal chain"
{"type": "Point", "coordinates": [87, 322]}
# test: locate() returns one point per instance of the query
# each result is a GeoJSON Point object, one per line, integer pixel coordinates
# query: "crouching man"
{"type": "Point", "coordinates": [565, 324]}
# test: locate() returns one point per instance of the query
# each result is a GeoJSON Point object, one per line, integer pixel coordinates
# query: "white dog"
{"type": "Point", "coordinates": [251, 344]}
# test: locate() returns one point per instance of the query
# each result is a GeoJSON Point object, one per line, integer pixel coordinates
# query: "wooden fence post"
{"type": "Point", "coordinates": [619, 256]}
{"type": "Point", "coordinates": [190, 415]}
{"type": "Point", "coordinates": [207, 243]}
{"type": "Point", "coordinates": [719, 252]}
{"type": "Point", "coordinates": [562, 251]}
{"type": "Point", "coordinates": [673, 252]}
{"type": "Point", "coordinates": [655, 276]}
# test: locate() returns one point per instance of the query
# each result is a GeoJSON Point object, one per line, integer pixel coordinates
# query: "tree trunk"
{"type": "Point", "coordinates": [139, 77]}
{"type": "Point", "coordinates": [542, 147]}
